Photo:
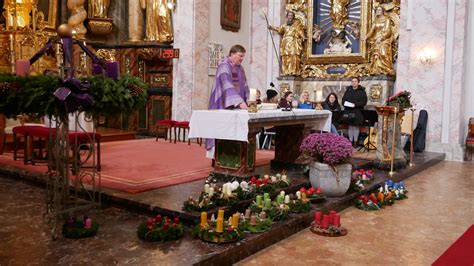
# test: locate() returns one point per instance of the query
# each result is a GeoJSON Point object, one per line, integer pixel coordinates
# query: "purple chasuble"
{"type": "Point", "coordinates": [229, 90]}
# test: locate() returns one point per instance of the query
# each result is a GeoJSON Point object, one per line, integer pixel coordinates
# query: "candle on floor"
{"type": "Point", "coordinates": [253, 219]}
{"type": "Point", "coordinates": [235, 220]}
{"type": "Point", "coordinates": [203, 218]}
{"type": "Point", "coordinates": [259, 200]}
{"type": "Point", "coordinates": [317, 217]}
{"type": "Point", "coordinates": [280, 199]}
{"type": "Point", "coordinates": [211, 192]}
{"type": "Point", "coordinates": [97, 69]}
{"type": "Point", "coordinates": [88, 223]}
{"type": "Point", "coordinates": [220, 225]}
{"type": "Point", "coordinates": [220, 214]}
{"type": "Point", "coordinates": [206, 188]}
{"type": "Point", "coordinates": [303, 196]}
{"type": "Point", "coordinates": [247, 213]}
{"type": "Point", "coordinates": [263, 215]}
{"type": "Point", "coordinates": [325, 222]}
{"type": "Point", "coordinates": [287, 199]}
{"type": "Point", "coordinates": [268, 203]}
{"type": "Point", "coordinates": [337, 220]}
{"type": "Point", "coordinates": [266, 196]}
{"type": "Point", "coordinates": [331, 217]}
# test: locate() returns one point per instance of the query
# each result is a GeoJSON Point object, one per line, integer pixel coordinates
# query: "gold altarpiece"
{"type": "Point", "coordinates": [346, 38]}
{"type": "Point", "coordinates": [27, 26]}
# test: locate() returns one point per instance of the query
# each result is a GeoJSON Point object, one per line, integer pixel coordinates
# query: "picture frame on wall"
{"type": "Point", "coordinates": [50, 11]}
{"type": "Point", "coordinates": [230, 14]}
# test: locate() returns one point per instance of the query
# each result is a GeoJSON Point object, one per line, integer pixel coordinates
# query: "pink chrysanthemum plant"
{"type": "Point", "coordinates": [328, 148]}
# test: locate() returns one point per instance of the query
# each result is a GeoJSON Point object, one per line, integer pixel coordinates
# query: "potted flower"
{"type": "Point", "coordinates": [330, 169]}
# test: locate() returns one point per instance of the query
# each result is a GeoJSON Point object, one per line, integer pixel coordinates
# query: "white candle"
{"type": "Point", "coordinates": [274, 179]}
{"type": "Point", "coordinates": [319, 96]}
{"type": "Point", "coordinates": [283, 177]}
{"type": "Point", "coordinates": [298, 194]}
{"type": "Point", "coordinates": [287, 199]}
{"type": "Point", "coordinates": [282, 193]}
{"type": "Point", "coordinates": [206, 188]}
{"type": "Point", "coordinates": [211, 192]}
{"type": "Point", "coordinates": [253, 95]}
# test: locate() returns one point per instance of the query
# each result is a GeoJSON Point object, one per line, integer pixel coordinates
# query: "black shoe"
{"type": "Point", "coordinates": [354, 145]}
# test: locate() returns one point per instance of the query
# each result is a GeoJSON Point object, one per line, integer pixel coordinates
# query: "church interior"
{"type": "Point", "coordinates": [248, 132]}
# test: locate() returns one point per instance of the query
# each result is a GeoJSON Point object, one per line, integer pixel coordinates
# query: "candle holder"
{"type": "Point", "coordinates": [318, 105]}
{"type": "Point", "coordinates": [160, 229]}
{"type": "Point", "coordinates": [331, 231]}
{"type": "Point", "coordinates": [391, 173]}
{"type": "Point", "coordinates": [252, 108]}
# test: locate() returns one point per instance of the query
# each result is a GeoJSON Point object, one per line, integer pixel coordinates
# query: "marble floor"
{"type": "Point", "coordinates": [412, 232]}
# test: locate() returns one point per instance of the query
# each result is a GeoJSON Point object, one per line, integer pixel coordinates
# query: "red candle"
{"type": "Point", "coordinates": [317, 217]}
{"type": "Point", "coordinates": [88, 224]}
{"type": "Point", "coordinates": [331, 217]}
{"type": "Point", "coordinates": [325, 223]}
{"type": "Point", "coordinates": [22, 67]}
{"type": "Point", "coordinates": [337, 220]}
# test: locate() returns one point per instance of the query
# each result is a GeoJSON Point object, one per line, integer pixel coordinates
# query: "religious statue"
{"type": "Point", "coordinates": [338, 43]}
{"type": "Point", "coordinates": [291, 45]}
{"type": "Point", "coordinates": [78, 15]}
{"type": "Point", "coordinates": [99, 8]}
{"type": "Point", "coordinates": [317, 32]}
{"type": "Point", "coordinates": [339, 13]}
{"type": "Point", "coordinates": [380, 38]}
{"type": "Point", "coordinates": [158, 21]}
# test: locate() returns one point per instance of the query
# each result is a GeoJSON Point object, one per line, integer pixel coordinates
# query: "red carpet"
{"type": "Point", "coordinates": [139, 165]}
{"type": "Point", "coordinates": [460, 252]}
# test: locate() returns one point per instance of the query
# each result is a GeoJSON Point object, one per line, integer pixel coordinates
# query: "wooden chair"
{"type": "Point", "coordinates": [470, 140]}
{"type": "Point", "coordinates": [185, 126]}
{"type": "Point", "coordinates": [166, 125]}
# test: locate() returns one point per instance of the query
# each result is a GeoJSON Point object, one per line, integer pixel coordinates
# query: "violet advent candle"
{"type": "Point", "coordinates": [112, 69]}
{"type": "Point", "coordinates": [97, 69]}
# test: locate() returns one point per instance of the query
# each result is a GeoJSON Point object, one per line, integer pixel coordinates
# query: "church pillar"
{"type": "Point", "coordinates": [436, 85]}
{"type": "Point", "coordinates": [191, 28]}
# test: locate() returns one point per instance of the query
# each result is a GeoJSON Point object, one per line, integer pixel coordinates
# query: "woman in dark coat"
{"type": "Point", "coordinates": [354, 100]}
{"type": "Point", "coordinates": [332, 104]}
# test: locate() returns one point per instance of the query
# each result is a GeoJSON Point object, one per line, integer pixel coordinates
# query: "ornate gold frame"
{"type": "Point", "coordinates": [50, 21]}
{"type": "Point", "coordinates": [360, 57]}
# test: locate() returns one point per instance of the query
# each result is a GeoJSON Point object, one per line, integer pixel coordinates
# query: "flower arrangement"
{"type": "Point", "coordinates": [255, 223]}
{"type": "Point", "coordinates": [328, 224]}
{"type": "Point", "coordinates": [74, 228]}
{"type": "Point", "coordinates": [386, 195]}
{"type": "Point", "coordinates": [400, 99]}
{"type": "Point", "coordinates": [328, 148]}
{"type": "Point", "coordinates": [361, 178]}
{"type": "Point", "coordinates": [160, 229]}
{"type": "Point", "coordinates": [218, 230]}
{"type": "Point", "coordinates": [313, 194]}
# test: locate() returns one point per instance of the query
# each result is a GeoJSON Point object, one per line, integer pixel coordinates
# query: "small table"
{"type": "Point", "coordinates": [235, 131]}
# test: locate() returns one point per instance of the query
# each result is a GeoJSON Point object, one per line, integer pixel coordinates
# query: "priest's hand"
{"type": "Point", "coordinates": [243, 106]}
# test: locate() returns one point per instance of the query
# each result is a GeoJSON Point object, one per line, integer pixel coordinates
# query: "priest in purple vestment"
{"type": "Point", "coordinates": [230, 89]}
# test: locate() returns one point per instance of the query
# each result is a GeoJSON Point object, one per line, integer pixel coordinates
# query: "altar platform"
{"type": "Point", "coordinates": [169, 200]}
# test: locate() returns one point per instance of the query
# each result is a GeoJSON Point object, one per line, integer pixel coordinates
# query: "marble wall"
{"type": "Point", "coordinates": [437, 28]}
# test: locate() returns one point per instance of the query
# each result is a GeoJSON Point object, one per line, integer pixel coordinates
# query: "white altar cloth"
{"type": "Point", "coordinates": [234, 124]}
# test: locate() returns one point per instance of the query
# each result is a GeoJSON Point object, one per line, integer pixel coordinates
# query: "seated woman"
{"type": "Point", "coordinates": [286, 101]}
{"type": "Point", "coordinates": [271, 96]}
{"type": "Point", "coordinates": [305, 103]}
{"type": "Point", "coordinates": [332, 104]}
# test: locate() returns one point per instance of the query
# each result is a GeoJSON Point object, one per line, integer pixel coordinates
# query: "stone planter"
{"type": "Point", "coordinates": [324, 177]}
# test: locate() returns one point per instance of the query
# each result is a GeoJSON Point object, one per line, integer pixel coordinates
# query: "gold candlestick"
{"type": "Point", "coordinates": [411, 136]}
{"type": "Point", "coordinates": [393, 141]}
{"type": "Point", "coordinates": [252, 107]}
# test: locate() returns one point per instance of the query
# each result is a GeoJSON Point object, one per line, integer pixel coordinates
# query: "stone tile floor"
{"type": "Point", "coordinates": [414, 231]}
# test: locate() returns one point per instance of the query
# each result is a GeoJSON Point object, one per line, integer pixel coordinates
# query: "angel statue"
{"type": "Point", "coordinates": [317, 32]}
{"type": "Point", "coordinates": [380, 38]}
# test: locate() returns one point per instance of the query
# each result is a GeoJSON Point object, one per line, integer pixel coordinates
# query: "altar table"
{"type": "Point", "coordinates": [235, 131]}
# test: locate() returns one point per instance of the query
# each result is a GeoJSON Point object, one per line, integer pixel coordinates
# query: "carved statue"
{"type": "Point", "coordinates": [339, 13]}
{"type": "Point", "coordinates": [338, 44]}
{"type": "Point", "coordinates": [78, 15]}
{"type": "Point", "coordinates": [380, 38]}
{"type": "Point", "coordinates": [158, 21]}
{"type": "Point", "coordinates": [99, 8]}
{"type": "Point", "coordinates": [291, 45]}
